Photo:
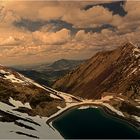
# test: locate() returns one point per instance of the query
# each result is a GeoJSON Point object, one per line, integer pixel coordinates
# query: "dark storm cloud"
{"type": "Point", "coordinates": [56, 25]}
{"type": "Point", "coordinates": [29, 24]}
{"type": "Point", "coordinates": [115, 7]}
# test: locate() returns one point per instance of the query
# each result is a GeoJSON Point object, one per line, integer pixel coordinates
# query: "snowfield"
{"type": "Point", "coordinates": [12, 131]}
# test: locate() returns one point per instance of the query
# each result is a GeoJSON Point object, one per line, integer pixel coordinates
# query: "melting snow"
{"type": "Point", "coordinates": [86, 107]}
{"type": "Point", "coordinates": [54, 96]}
{"type": "Point", "coordinates": [59, 107]}
{"type": "Point", "coordinates": [18, 104]}
{"type": "Point", "coordinates": [120, 98]}
{"type": "Point", "coordinates": [137, 118]}
{"type": "Point", "coordinates": [137, 100]}
{"type": "Point", "coordinates": [113, 109]}
{"type": "Point", "coordinates": [3, 72]}
{"type": "Point", "coordinates": [13, 79]}
{"type": "Point", "coordinates": [9, 130]}
{"type": "Point", "coordinates": [107, 98]}
{"type": "Point", "coordinates": [136, 52]}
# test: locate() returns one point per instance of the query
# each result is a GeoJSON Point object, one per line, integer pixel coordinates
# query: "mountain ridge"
{"type": "Point", "coordinates": [104, 72]}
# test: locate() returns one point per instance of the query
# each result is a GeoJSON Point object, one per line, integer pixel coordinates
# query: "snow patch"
{"type": "Point", "coordinates": [18, 104]}
{"type": "Point", "coordinates": [136, 52]}
{"type": "Point", "coordinates": [59, 107]}
{"type": "Point", "coordinates": [9, 129]}
{"type": "Point", "coordinates": [137, 100]}
{"type": "Point", "coordinates": [137, 118]}
{"type": "Point", "coordinates": [3, 72]}
{"type": "Point", "coordinates": [107, 98]}
{"type": "Point", "coordinates": [120, 99]}
{"type": "Point", "coordinates": [113, 109]}
{"type": "Point", "coordinates": [54, 96]}
{"type": "Point", "coordinates": [84, 107]}
{"type": "Point", "coordinates": [13, 79]}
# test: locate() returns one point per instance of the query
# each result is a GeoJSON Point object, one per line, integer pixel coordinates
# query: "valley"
{"type": "Point", "coordinates": [28, 106]}
{"type": "Point", "coordinates": [47, 74]}
{"type": "Point", "coordinates": [69, 69]}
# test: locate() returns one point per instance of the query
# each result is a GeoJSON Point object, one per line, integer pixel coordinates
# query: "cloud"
{"type": "Point", "coordinates": [52, 38]}
{"type": "Point", "coordinates": [117, 7]}
{"type": "Point", "coordinates": [53, 12]}
{"type": "Point", "coordinates": [71, 12]}
{"type": "Point", "coordinates": [43, 31]}
{"type": "Point", "coordinates": [10, 41]}
{"type": "Point", "coordinates": [93, 17]}
{"type": "Point", "coordinates": [131, 21]}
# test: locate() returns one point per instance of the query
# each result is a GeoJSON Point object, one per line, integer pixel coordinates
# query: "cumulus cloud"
{"type": "Point", "coordinates": [130, 22]}
{"type": "Point", "coordinates": [52, 38]}
{"type": "Point", "coordinates": [46, 44]}
{"type": "Point", "coordinates": [93, 17]}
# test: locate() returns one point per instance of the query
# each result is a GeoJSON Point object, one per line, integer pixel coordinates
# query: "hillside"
{"type": "Point", "coordinates": [115, 71]}
{"type": "Point", "coordinates": [27, 109]}
{"type": "Point", "coordinates": [26, 106]}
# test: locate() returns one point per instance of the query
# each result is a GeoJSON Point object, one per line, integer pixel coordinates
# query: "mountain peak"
{"type": "Point", "coordinates": [112, 71]}
{"type": "Point", "coordinates": [127, 45]}
{"type": "Point", "coordinates": [130, 49]}
{"type": "Point", "coordinates": [135, 49]}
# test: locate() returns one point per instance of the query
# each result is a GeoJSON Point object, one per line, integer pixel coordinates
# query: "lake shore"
{"type": "Point", "coordinates": [90, 123]}
{"type": "Point", "coordinates": [106, 111]}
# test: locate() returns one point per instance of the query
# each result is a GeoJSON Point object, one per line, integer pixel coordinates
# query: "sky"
{"type": "Point", "coordinates": [34, 32]}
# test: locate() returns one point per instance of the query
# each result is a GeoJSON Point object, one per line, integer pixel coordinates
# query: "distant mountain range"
{"type": "Point", "coordinates": [46, 74]}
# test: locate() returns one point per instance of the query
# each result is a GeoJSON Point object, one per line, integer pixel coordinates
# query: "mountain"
{"type": "Point", "coordinates": [111, 79]}
{"type": "Point", "coordinates": [115, 71]}
{"type": "Point", "coordinates": [26, 108]}
{"type": "Point", "coordinates": [46, 74]}
{"type": "Point", "coordinates": [16, 86]}
{"type": "Point", "coordinates": [63, 64]}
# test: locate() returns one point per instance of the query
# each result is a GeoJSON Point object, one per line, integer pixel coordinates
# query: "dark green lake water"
{"type": "Point", "coordinates": [93, 123]}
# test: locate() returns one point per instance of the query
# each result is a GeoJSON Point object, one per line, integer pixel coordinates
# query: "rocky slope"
{"type": "Point", "coordinates": [16, 86]}
{"type": "Point", "coordinates": [116, 71]}
{"type": "Point", "coordinates": [112, 78]}
{"type": "Point", "coordinates": [26, 106]}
